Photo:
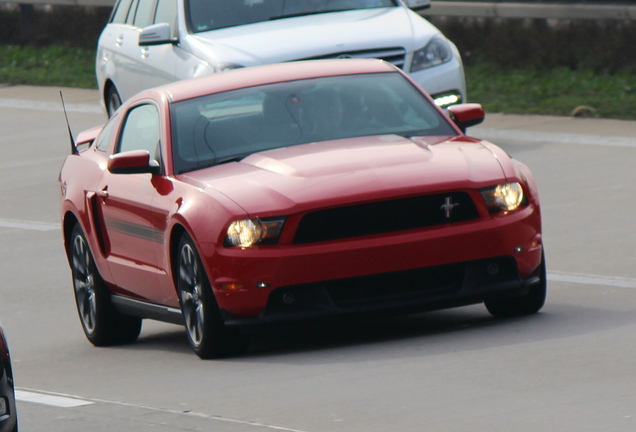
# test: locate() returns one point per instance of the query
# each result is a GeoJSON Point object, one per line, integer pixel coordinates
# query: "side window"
{"type": "Point", "coordinates": [131, 12]}
{"type": "Point", "coordinates": [143, 16]}
{"type": "Point", "coordinates": [121, 11]}
{"type": "Point", "coordinates": [142, 131]}
{"type": "Point", "coordinates": [104, 136]}
{"type": "Point", "coordinates": [166, 12]}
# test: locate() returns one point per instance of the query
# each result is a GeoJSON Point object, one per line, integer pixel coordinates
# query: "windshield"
{"type": "Point", "coordinates": [228, 126]}
{"type": "Point", "coordinates": [204, 15]}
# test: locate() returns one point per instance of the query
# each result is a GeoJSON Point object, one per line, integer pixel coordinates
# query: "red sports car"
{"type": "Point", "coordinates": [293, 191]}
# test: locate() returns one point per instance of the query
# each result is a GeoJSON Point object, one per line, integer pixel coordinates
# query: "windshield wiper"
{"type": "Point", "coordinates": [299, 14]}
{"type": "Point", "coordinates": [230, 159]}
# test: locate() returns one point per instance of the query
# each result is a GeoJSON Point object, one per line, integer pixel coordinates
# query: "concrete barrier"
{"type": "Point", "coordinates": [531, 10]}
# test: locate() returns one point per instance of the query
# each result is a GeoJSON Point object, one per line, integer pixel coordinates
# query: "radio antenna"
{"type": "Point", "coordinates": [68, 125]}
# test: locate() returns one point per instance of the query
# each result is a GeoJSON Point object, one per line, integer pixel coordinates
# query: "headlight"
{"type": "Point", "coordinates": [437, 51]}
{"type": "Point", "coordinates": [248, 232]}
{"type": "Point", "coordinates": [503, 197]}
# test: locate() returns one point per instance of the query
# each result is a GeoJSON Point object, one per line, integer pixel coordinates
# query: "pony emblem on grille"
{"type": "Point", "coordinates": [448, 206]}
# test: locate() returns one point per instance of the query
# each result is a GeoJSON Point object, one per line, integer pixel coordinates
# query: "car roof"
{"type": "Point", "coordinates": [266, 74]}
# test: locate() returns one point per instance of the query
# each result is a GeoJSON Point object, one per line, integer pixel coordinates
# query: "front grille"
{"type": "Point", "coordinates": [392, 55]}
{"type": "Point", "coordinates": [385, 216]}
{"type": "Point", "coordinates": [464, 282]}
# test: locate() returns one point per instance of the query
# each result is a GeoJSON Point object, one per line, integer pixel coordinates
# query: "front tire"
{"type": "Point", "coordinates": [113, 100]}
{"type": "Point", "coordinates": [207, 334]}
{"type": "Point", "coordinates": [527, 304]}
{"type": "Point", "coordinates": [103, 325]}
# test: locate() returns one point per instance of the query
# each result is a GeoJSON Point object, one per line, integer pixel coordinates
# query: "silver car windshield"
{"type": "Point", "coordinates": [229, 126]}
{"type": "Point", "coordinates": [205, 15]}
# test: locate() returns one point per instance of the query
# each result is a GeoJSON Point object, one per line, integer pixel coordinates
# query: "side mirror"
{"type": "Point", "coordinates": [132, 162]}
{"type": "Point", "coordinates": [466, 115]}
{"type": "Point", "coordinates": [418, 4]}
{"type": "Point", "coordinates": [156, 34]}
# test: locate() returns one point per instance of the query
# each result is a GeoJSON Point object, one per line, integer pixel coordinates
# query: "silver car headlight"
{"type": "Point", "coordinates": [436, 52]}
{"type": "Point", "coordinates": [249, 232]}
{"type": "Point", "coordinates": [503, 197]}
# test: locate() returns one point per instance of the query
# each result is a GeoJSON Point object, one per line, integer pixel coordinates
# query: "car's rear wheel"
{"type": "Point", "coordinates": [113, 100]}
{"type": "Point", "coordinates": [208, 335]}
{"type": "Point", "coordinates": [103, 325]}
{"type": "Point", "coordinates": [526, 304]}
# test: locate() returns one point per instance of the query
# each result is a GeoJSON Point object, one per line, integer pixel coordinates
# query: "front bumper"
{"type": "Point", "coordinates": [428, 268]}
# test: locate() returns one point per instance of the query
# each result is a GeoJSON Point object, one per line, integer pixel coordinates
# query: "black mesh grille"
{"type": "Point", "coordinates": [472, 280]}
{"type": "Point", "coordinates": [385, 216]}
{"type": "Point", "coordinates": [392, 55]}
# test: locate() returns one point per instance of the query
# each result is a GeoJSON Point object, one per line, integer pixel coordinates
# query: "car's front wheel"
{"type": "Point", "coordinates": [113, 100]}
{"type": "Point", "coordinates": [526, 304]}
{"type": "Point", "coordinates": [207, 334]}
{"type": "Point", "coordinates": [103, 325]}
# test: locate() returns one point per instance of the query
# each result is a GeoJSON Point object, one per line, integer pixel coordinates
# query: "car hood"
{"type": "Point", "coordinates": [332, 173]}
{"type": "Point", "coordinates": [314, 36]}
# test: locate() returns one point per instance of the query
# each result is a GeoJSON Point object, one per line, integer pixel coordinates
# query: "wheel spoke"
{"type": "Point", "coordinates": [191, 297]}
{"type": "Point", "coordinates": [83, 282]}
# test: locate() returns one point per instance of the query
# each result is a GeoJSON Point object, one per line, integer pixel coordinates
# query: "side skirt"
{"type": "Point", "coordinates": [143, 309]}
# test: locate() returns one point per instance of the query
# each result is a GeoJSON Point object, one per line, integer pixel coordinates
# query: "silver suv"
{"type": "Point", "coordinates": [152, 42]}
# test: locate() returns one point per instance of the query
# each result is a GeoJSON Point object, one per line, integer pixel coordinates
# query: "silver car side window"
{"type": "Point", "coordinates": [142, 131]}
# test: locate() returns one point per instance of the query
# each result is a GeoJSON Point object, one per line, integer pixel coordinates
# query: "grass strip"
{"type": "Point", "coordinates": [559, 91]}
{"type": "Point", "coordinates": [55, 65]}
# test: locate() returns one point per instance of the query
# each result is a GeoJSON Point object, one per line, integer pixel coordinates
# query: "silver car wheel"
{"type": "Point", "coordinates": [84, 283]}
{"type": "Point", "coordinates": [113, 101]}
{"type": "Point", "coordinates": [191, 292]}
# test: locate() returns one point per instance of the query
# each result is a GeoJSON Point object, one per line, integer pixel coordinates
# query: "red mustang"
{"type": "Point", "coordinates": [293, 191]}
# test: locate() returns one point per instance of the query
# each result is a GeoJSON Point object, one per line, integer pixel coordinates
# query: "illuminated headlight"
{"type": "Point", "coordinates": [436, 52]}
{"type": "Point", "coordinates": [503, 197]}
{"type": "Point", "coordinates": [249, 232]}
{"type": "Point", "coordinates": [447, 99]}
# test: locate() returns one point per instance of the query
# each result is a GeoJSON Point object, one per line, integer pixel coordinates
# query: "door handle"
{"type": "Point", "coordinates": [120, 40]}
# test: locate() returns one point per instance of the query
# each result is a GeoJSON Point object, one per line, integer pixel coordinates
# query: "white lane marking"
{"type": "Point", "coordinates": [59, 399]}
{"type": "Point", "coordinates": [51, 106]}
{"type": "Point", "coordinates": [551, 137]}
{"type": "Point", "coordinates": [587, 279]}
{"type": "Point", "coordinates": [29, 225]}
{"type": "Point", "coordinates": [51, 400]}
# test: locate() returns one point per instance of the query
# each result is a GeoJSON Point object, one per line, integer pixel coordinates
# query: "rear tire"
{"type": "Point", "coordinates": [103, 325]}
{"type": "Point", "coordinates": [527, 304]}
{"type": "Point", "coordinates": [207, 334]}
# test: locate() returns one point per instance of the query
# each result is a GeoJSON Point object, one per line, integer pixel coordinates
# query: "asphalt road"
{"type": "Point", "coordinates": [569, 368]}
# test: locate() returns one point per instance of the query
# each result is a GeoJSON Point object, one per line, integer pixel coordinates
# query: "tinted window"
{"type": "Point", "coordinates": [143, 16]}
{"type": "Point", "coordinates": [219, 127]}
{"type": "Point", "coordinates": [204, 15]}
{"type": "Point", "coordinates": [166, 12]}
{"type": "Point", "coordinates": [104, 136]}
{"type": "Point", "coordinates": [121, 11]}
{"type": "Point", "coordinates": [142, 131]}
{"type": "Point", "coordinates": [131, 12]}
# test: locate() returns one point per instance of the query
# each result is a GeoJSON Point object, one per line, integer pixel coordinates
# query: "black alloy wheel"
{"type": "Point", "coordinates": [207, 334]}
{"type": "Point", "coordinates": [527, 304]}
{"type": "Point", "coordinates": [113, 101]}
{"type": "Point", "coordinates": [103, 325]}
